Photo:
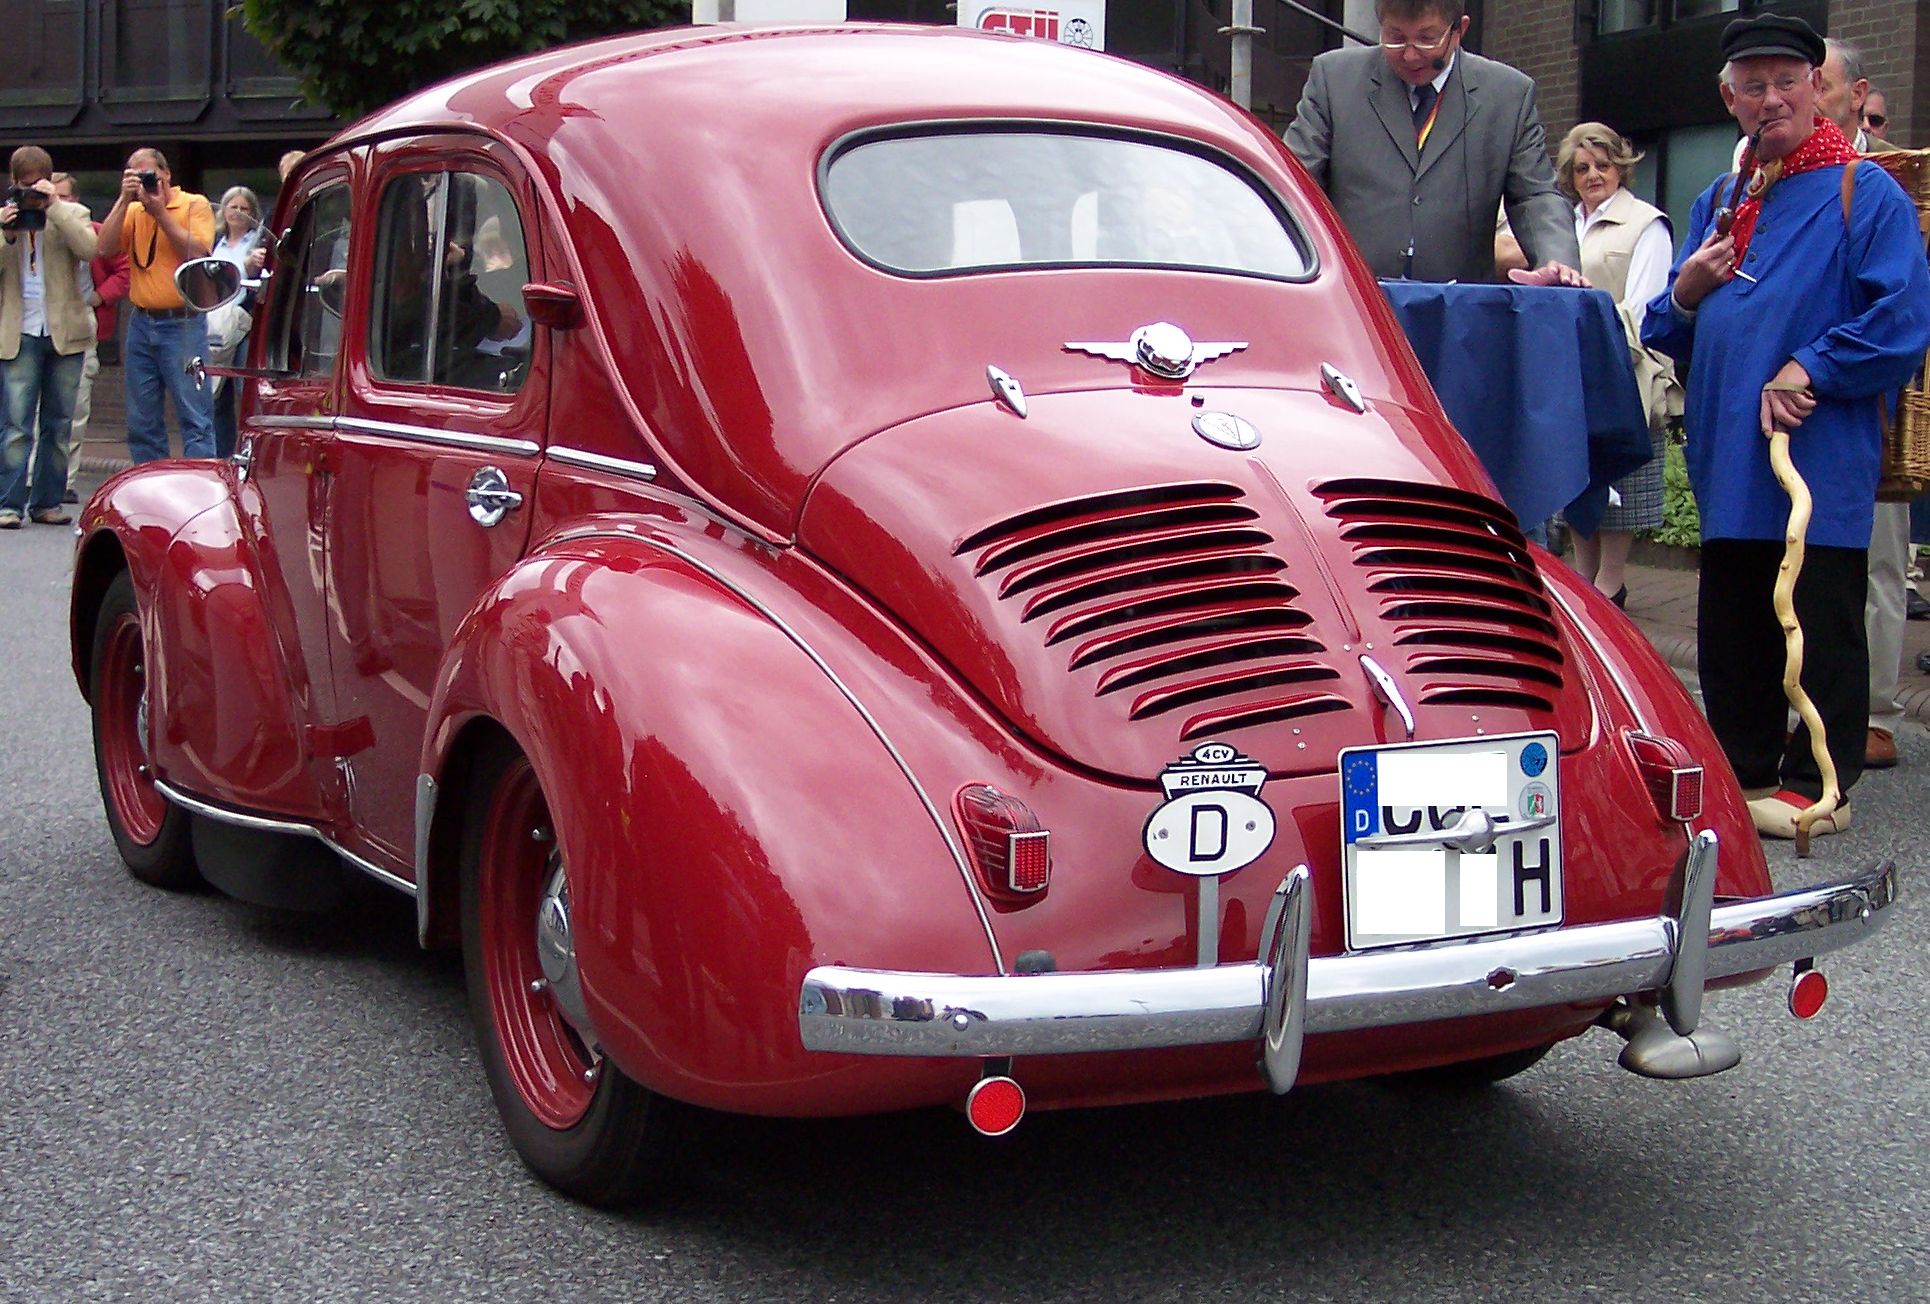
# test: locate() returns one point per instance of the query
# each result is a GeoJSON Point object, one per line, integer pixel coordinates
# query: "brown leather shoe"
{"type": "Point", "coordinates": [52, 516]}
{"type": "Point", "coordinates": [1879, 750]}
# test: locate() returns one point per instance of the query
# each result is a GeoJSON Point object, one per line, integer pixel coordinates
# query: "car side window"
{"type": "Point", "coordinates": [307, 334]}
{"type": "Point", "coordinates": [450, 268]}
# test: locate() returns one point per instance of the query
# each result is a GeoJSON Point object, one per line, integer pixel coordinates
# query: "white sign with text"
{"type": "Point", "coordinates": [1069, 22]}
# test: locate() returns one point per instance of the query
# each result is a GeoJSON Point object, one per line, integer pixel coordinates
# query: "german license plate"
{"type": "Point", "coordinates": [1405, 807]}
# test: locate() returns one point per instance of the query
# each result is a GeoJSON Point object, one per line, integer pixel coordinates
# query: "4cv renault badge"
{"type": "Point", "coordinates": [1212, 821]}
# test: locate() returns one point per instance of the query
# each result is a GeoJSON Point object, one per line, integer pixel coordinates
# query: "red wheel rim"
{"type": "Point", "coordinates": [138, 807]}
{"type": "Point", "coordinates": [545, 1059]}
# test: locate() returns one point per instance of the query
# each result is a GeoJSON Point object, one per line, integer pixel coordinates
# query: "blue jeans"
{"type": "Point", "coordinates": [38, 377]}
{"type": "Point", "coordinates": [158, 349]}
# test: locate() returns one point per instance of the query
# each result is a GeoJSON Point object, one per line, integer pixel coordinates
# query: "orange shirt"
{"type": "Point", "coordinates": [151, 259]}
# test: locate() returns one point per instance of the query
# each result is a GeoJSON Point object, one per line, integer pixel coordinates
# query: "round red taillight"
{"type": "Point", "coordinates": [1807, 992]}
{"type": "Point", "coordinates": [995, 1106]}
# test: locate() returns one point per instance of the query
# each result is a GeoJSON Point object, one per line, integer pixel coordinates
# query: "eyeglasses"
{"type": "Point", "coordinates": [1875, 119]}
{"type": "Point", "coordinates": [1434, 46]}
{"type": "Point", "coordinates": [1755, 90]}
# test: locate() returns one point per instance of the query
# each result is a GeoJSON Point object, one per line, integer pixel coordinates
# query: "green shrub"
{"type": "Point", "coordinates": [1681, 522]}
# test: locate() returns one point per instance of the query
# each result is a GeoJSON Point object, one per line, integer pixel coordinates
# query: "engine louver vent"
{"type": "Point", "coordinates": [1170, 596]}
{"type": "Point", "coordinates": [1453, 577]}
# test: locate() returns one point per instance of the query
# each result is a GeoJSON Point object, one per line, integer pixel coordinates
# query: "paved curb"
{"type": "Point", "coordinates": [1679, 651]}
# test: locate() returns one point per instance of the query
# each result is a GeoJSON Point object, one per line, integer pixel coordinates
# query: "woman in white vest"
{"type": "Point", "coordinates": [1626, 250]}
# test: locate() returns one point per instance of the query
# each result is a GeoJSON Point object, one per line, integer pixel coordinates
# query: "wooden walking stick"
{"type": "Point", "coordinates": [1784, 597]}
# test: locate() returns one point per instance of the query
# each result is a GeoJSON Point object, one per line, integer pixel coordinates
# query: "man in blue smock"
{"type": "Point", "coordinates": [1796, 318]}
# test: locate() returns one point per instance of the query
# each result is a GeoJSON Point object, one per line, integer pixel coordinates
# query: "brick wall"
{"type": "Point", "coordinates": [1538, 37]}
{"type": "Point", "coordinates": [1890, 34]}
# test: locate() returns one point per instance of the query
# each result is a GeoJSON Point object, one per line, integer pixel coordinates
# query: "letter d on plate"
{"type": "Point", "coordinates": [1209, 833]}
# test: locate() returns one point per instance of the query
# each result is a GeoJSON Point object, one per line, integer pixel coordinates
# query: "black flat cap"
{"type": "Point", "coordinates": [1766, 35]}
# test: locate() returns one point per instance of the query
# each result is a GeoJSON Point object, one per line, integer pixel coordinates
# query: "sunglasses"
{"type": "Point", "coordinates": [1875, 119]}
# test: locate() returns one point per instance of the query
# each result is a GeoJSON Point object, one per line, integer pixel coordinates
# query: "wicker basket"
{"type": "Point", "coordinates": [1906, 444]}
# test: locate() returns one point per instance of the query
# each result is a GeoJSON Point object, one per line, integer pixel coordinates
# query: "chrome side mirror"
{"type": "Point", "coordinates": [208, 283]}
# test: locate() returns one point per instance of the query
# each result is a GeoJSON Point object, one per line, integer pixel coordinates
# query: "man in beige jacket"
{"type": "Point", "coordinates": [45, 328]}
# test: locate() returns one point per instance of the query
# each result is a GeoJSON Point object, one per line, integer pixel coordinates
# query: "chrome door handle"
{"type": "Point", "coordinates": [243, 457]}
{"type": "Point", "coordinates": [490, 498]}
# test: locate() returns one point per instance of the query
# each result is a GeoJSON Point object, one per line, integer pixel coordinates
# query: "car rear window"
{"type": "Point", "coordinates": [949, 202]}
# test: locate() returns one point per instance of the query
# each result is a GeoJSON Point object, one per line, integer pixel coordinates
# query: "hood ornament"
{"type": "Point", "coordinates": [1161, 349]}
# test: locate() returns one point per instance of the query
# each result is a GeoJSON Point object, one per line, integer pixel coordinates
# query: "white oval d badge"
{"type": "Point", "coordinates": [1210, 832]}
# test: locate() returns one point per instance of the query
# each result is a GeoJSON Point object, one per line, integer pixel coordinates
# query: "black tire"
{"type": "Point", "coordinates": [610, 1143]}
{"type": "Point", "coordinates": [1471, 1075]}
{"type": "Point", "coordinates": [151, 832]}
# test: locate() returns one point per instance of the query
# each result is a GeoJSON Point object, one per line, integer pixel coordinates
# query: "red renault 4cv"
{"type": "Point", "coordinates": [869, 567]}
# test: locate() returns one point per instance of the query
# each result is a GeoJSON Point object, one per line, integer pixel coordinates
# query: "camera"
{"type": "Point", "coordinates": [30, 209]}
{"type": "Point", "coordinates": [150, 182]}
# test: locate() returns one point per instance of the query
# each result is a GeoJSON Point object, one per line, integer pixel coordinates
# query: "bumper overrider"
{"type": "Point", "coordinates": [1276, 1000]}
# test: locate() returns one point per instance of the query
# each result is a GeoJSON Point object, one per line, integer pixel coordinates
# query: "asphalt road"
{"type": "Point", "coordinates": [203, 1101]}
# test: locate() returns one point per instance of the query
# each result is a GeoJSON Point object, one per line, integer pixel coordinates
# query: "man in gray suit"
{"type": "Point", "coordinates": [1418, 142]}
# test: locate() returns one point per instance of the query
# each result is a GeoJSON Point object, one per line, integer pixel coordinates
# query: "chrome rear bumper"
{"type": "Point", "coordinates": [1279, 998]}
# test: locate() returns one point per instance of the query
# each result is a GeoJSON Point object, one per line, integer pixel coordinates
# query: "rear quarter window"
{"type": "Point", "coordinates": [949, 202]}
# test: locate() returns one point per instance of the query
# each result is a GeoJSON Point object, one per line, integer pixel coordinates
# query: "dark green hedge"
{"type": "Point", "coordinates": [356, 55]}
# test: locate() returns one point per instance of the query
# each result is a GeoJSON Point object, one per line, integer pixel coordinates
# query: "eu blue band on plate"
{"type": "Point", "coordinates": [1360, 797]}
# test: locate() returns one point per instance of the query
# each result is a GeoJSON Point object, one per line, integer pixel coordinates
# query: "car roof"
{"type": "Point", "coordinates": [745, 72]}
{"type": "Point", "coordinates": [747, 340]}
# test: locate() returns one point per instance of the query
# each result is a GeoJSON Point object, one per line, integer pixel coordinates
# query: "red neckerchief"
{"type": "Point", "coordinates": [1825, 147]}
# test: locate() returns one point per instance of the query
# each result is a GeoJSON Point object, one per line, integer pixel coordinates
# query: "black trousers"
{"type": "Point", "coordinates": [1739, 656]}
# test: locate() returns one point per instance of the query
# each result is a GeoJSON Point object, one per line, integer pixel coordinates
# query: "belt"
{"type": "Point", "coordinates": [164, 314]}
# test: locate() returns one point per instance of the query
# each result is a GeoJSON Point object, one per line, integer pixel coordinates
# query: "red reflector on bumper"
{"type": "Point", "coordinates": [1807, 992]}
{"type": "Point", "coordinates": [995, 1106]}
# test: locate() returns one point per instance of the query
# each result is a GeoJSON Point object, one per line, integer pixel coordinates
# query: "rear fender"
{"type": "Point", "coordinates": [728, 815]}
{"type": "Point", "coordinates": [219, 687]}
{"type": "Point", "coordinates": [1635, 688]}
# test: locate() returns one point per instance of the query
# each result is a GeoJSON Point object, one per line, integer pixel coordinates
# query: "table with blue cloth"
{"type": "Point", "coordinates": [1538, 380]}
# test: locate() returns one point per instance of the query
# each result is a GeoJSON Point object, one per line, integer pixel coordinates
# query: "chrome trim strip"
{"type": "Point", "coordinates": [874, 1012]}
{"type": "Point", "coordinates": [292, 423]}
{"type": "Point", "coordinates": [270, 824]}
{"type": "Point", "coordinates": [446, 438]}
{"type": "Point", "coordinates": [931, 808]}
{"type": "Point", "coordinates": [1602, 660]}
{"type": "Point", "coordinates": [598, 462]}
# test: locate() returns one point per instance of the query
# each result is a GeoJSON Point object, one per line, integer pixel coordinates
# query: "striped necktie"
{"type": "Point", "coordinates": [1424, 97]}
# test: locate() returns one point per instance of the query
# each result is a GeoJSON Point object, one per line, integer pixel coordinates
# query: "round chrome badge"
{"type": "Point", "coordinates": [1226, 430]}
{"type": "Point", "coordinates": [1164, 349]}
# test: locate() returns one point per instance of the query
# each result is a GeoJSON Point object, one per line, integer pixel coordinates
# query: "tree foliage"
{"type": "Point", "coordinates": [355, 55]}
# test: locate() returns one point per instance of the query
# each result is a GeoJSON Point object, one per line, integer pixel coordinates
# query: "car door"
{"type": "Point", "coordinates": [284, 446]}
{"type": "Point", "coordinates": [442, 424]}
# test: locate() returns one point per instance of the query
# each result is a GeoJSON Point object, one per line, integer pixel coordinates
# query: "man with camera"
{"type": "Point", "coordinates": [104, 286]}
{"type": "Point", "coordinates": [160, 227]}
{"type": "Point", "coordinates": [45, 328]}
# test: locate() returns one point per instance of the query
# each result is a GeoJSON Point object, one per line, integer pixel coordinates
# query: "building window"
{"type": "Point", "coordinates": [1623, 15]}
{"type": "Point", "coordinates": [43, 59]}
{"type": "Point", "coordinates": [1692, 157]}
{"type": "Point", "coordinates": [157, 49]}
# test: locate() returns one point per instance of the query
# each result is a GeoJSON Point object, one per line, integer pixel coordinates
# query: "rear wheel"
{"type": "Point", "coordinates": [150, 831]}
{"type": "Point", "coordinates": [575, 1119]}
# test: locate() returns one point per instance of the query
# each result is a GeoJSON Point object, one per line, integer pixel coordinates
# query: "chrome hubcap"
{"type": "Point", "coordinates": [556, 950]}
